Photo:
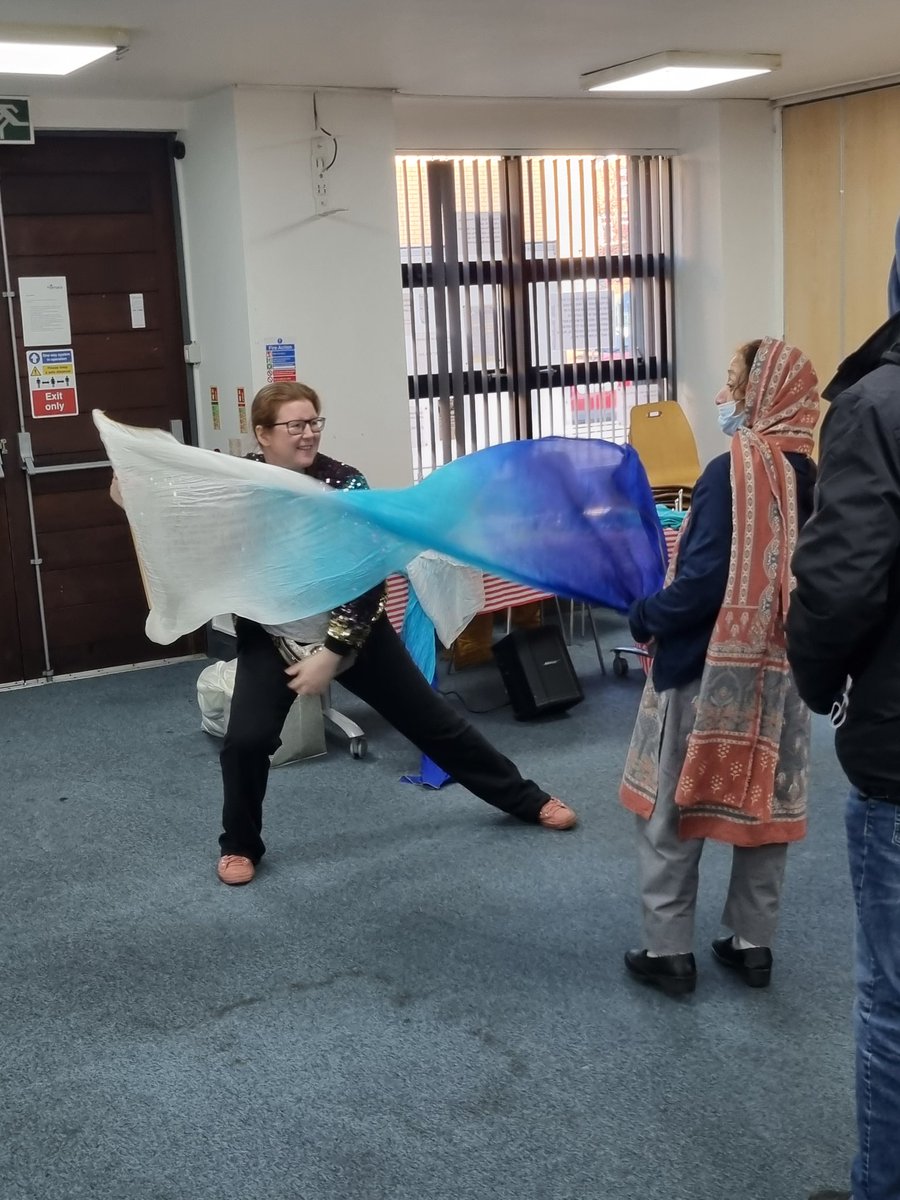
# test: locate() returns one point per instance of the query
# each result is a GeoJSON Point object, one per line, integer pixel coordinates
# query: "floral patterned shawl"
{"type": "Point", "coordinates": [744, 778]}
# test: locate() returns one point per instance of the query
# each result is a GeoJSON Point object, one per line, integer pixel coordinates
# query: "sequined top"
{"type": "Point", "coordinates": [349, 624]}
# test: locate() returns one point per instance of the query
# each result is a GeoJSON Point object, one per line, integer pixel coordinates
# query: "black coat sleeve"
{"type": "Point", "coordinates": [695, 595]}
{"type": "Point", "coordinates": [845, 552]}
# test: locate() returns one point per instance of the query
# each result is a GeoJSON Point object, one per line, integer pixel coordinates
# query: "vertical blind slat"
{"type": "Point", "coordinates": [413, 324]}
{"type": "Point", "coordinates": [426, 258]}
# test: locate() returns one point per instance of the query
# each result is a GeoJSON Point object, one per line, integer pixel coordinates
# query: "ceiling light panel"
{"type": "Point", "coordinates": [678, 71]}
{"type": "Point", "coordinates": [55, 50]}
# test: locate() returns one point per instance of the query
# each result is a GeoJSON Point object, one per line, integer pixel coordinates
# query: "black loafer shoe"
{"type": "Point", "coordinates": [754, 966]}
{"type": "Point", "coordinates": [674, 974]}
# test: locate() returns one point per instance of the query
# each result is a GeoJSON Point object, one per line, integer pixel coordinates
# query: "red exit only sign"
{"type": "Point", "coordinates": [54, 402]}
{"type": "Point", "coordinates": [51, 382]}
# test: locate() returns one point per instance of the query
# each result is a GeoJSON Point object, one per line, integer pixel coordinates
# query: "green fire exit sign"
{"type": "Point", "coordinates": [15, 120]}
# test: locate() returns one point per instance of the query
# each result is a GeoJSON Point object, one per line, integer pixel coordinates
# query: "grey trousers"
{"type": "Point", "coordinates": [669, 868]}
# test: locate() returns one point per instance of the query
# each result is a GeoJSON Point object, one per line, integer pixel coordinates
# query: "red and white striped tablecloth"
{"type": "Point", "coordinates": [499, 594]}
{"type": "Point", "coordinates": [397, 595]}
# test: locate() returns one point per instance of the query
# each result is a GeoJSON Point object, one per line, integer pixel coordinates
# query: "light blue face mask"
{"type": "Point", "coordinates": [730, 420]}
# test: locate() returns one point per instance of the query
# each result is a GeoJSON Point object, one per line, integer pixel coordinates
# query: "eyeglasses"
{"type": "Point", "coordinates": [316, 425]}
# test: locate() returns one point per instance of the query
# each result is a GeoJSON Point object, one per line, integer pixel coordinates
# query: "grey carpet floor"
{"type": "Point", "coordinates": [417, 999]}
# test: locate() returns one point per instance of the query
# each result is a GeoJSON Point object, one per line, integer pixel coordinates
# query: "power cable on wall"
{"type": "Point", "coordinates": [327, 132]}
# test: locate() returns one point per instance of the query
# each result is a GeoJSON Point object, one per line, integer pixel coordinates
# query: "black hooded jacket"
{"type": "Point", "coordinates": [844, 617]}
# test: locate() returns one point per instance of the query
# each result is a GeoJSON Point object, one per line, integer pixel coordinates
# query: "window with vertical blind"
{"type": "Point", "coordinates": [537, 297]}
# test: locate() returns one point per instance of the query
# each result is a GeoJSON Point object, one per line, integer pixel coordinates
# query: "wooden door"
{"type": "Point", "coordinates": [97, 210]}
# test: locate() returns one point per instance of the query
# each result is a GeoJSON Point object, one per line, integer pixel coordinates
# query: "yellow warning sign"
{"type": "Point", "coordinates": [35, 371]}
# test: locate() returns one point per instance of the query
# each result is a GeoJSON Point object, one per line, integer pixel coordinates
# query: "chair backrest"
{"type": "Point", "coordinates": [665, 443]}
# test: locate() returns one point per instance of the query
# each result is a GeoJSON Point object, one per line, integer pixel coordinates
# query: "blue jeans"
{"type": "Point", "coordinates": [873, 843]}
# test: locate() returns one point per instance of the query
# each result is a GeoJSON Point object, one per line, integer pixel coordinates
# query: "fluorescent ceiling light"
{"type": "Point", "coordinates": [678, 71]}
{"type": "Point", "coordinates": [37, 50]}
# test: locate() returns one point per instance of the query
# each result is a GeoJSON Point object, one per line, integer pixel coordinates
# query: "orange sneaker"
{"type": "Point", "coordinates": [556, 815]}
{"type": "Point", "coordinates": [235, 869]}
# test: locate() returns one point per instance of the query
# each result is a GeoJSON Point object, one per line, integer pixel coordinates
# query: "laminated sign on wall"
{"type": "Point", "coordinates": [51, 383]}
{"type": "Point", "coordinates": [281, 362]}
{"type": "Point", "coordinates": [44, 304]}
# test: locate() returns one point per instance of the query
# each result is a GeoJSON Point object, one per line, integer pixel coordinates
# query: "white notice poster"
{"type": "Point", "coordinates": [138, 318]}
{"type": "Point", "coordinates": [44, 301]}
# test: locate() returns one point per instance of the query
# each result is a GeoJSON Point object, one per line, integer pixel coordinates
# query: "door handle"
{"type": "Point", "coordinates": [28, 464]}
{"type": "Point", "coordinates": [2, 452]}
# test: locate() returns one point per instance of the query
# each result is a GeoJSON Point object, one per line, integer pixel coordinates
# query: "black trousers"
{"type": "Point", "coordinates": [385, 677]}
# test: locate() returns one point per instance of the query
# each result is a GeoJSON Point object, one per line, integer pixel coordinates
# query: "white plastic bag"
{"type": "Point", "coordinates": [303, 733]}
{"type": "Point", "coordinates": [215, 688]}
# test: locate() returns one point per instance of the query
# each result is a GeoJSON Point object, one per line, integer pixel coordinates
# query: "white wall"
{"type": "Point", "coordinates": [212, 220]}
{"type": "Point", "coordinates": [330, 284]}
{"type": "Point", "coordinates": [698, 272]}
{"type": "Point", "coordinates": [265, 266]}
{"type": "Point", "coordinates": [54, 112]}
{"type": "Point", "coordinates": [588, 125]}
{"type": "Point", "coordinates": [727, 275]}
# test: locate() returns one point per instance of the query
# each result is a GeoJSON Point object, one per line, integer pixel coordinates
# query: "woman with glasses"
{"type": "Point", "coordinates": [355, 642]}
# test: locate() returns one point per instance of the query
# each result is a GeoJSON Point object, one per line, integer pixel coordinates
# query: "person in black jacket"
{"type": "Point", "coordinates": [843, 643]}
{"type": "Point", "coordinates": [720, 746]}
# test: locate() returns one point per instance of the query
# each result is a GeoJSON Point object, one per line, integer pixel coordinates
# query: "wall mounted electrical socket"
{"type": "Point", "coordinates": [322, 154]}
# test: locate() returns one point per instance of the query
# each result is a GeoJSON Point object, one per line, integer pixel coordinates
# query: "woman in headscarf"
{"type": "Point", "coordinates": [721, 745]}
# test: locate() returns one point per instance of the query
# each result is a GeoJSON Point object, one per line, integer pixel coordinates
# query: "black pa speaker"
{"type": "Point", "coordinates": [537, 671]}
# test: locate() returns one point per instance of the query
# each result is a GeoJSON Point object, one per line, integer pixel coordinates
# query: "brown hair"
{"type": "Point", "coordinates": [747, 352]}
{"type": "Point", "coordinates": [268, 401]}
